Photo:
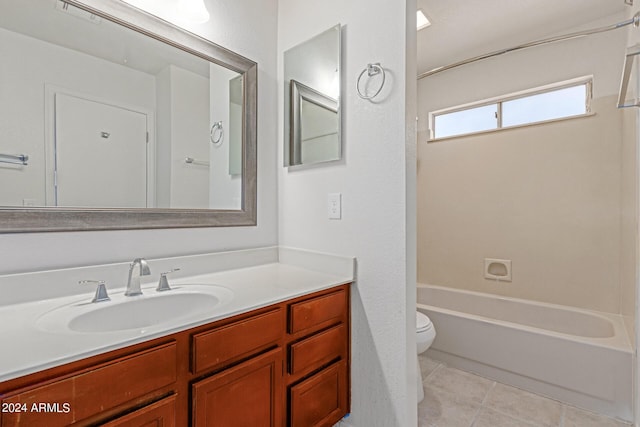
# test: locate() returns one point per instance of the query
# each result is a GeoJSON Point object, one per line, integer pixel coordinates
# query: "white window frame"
{"type": "Point", "coordinates": [579, 81]}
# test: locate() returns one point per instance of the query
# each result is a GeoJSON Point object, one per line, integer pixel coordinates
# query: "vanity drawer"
{"type": "Point", "coordinates": [88, 393]}
{"type": "Point", "coordinates": [320, 400]}
{"type": "Point", "coordinates": [319, 349]}
{"type": "Point", "coordinates": [317, 311]}
{"type": "Point", "coordinates": [243, 338]}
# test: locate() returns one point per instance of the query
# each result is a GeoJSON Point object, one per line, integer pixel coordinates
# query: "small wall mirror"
{"type": "Point", "coordinates": [312, 100]}
{"type": "Point", "coordinates": [111, 118]}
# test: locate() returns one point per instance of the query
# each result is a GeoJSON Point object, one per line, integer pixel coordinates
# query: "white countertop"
{"type": "Point", "coordinates": [29, 347]}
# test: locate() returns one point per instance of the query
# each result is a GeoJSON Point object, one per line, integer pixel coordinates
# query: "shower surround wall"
{"type": "Point", "coordinates": [556, 199]}
{"type": "Point", "coordinates": [629, 220]}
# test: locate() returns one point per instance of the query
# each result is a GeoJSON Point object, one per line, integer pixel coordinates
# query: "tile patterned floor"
{"type": "Point", "coordinates": [454, 398]}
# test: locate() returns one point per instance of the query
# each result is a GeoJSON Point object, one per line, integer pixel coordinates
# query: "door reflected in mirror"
{"type": "Point", "coordinates": [112, 118]}
{"type": "Point", "coordinates": [312, 100]}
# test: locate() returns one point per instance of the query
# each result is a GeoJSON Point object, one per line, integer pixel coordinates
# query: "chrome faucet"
{"type": "Point", "coordinates": [133, 284]}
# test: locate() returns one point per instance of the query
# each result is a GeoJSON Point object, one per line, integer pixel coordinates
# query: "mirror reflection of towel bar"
{"type": "Point", "coordinates": [192, 161]}
{"type": "Point", "coordinates": [18, 159]}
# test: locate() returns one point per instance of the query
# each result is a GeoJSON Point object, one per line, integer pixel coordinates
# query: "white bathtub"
{"type": "Point", "coordinates": [576, 356]}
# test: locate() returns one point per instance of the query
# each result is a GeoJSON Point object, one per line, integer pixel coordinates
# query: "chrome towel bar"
{"type": "Point", "coordinates": [192, 161]}
{"type": "Point", "coordinates": [14, 159]}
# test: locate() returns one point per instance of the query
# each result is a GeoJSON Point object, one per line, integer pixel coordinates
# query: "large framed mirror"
{"type": "Point", "coordinates": [111, 118]}
{"type": "Point", "coordinates": [312, 100]}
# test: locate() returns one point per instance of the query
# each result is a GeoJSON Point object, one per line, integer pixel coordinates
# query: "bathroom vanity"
{"type": "Point", "coordinates": [247, 363]}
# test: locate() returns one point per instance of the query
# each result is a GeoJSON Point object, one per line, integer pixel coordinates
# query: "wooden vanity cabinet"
{"type": "Point", "coordinates": [282, 365]}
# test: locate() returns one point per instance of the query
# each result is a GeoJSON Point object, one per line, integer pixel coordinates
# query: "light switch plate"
{"type": "Point", "coordinates": [334, 206]}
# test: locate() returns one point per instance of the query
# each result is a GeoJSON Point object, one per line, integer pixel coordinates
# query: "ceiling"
{"type": "Point", "coordinates": [461, 29]}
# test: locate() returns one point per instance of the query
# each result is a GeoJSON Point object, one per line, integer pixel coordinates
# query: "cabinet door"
{"type": "Point", "coordinates": [159, 414]}
{"type": "Point", "coordinates": [246, 395]}
{"type": "Point", "coordinates": [321, 400]}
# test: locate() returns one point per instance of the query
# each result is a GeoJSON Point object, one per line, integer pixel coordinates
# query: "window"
{"type": "Point", "coordinates": [470, 120]}
{"type": "Point", "coordinates": [561, 100]}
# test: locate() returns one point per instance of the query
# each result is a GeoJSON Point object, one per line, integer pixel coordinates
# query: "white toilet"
{"type": "Point", "coordinates": [425, 334]}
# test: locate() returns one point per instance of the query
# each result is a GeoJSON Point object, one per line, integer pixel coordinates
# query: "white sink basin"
{"type": "Point", "coordinates": [143, 313]}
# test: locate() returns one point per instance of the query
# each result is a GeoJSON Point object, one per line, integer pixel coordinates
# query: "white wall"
{"type": "Point", "coordinates": [183, 131]}
{"type": "Point", "coordinates": [377, 183]}
{"type": "Point", "coordinates": [225, 189]}
{"type": "Point", "coordinates": [27, 65]}
{"type": "Point", "coordinates": [549, 197]}
{"type": "Point", "coordinates": [248, 28]}
{"type": "Point", "coordinates": [163, 138]}
{"type": "Point", "coordinates": [190, 136]}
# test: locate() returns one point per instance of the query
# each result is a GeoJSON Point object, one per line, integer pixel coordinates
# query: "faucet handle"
{"type": "Point", "coordinates": [101, 291]}
{"type": "Point", "coordinates": [163, 284]}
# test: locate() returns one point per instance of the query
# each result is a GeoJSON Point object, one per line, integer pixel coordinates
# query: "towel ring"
{"type": "Point", "coordinates": [371, 70]}
{"type": "Point", "coordinates": [217, 141]}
